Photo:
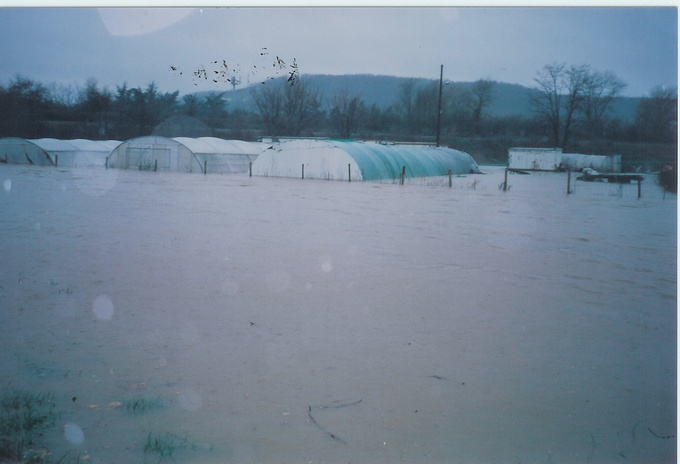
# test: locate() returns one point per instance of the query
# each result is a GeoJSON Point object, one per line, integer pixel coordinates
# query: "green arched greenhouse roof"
{"type": "Point", "coordinates": [385, 161]}
{"type": "Point", "coordinates": [343, 160]}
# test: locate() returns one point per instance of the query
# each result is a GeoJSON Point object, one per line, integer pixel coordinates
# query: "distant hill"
{"type": "Point", "coordinates": [383, 91]}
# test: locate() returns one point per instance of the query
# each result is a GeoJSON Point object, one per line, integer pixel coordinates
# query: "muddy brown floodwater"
{"type": "Point", "coordinates": [258, 320]}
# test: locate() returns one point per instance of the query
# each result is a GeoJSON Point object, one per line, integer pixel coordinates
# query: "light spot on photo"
{"type": "Point", "coordinates": [103, 308]}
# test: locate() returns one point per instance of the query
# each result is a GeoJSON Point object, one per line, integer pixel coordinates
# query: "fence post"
{"type": "Point", "coordinates": [568, 182]}
{"type": "Point", "coordinates": [403, 174]}
{"type": "Point", "coordinates": [303, 170]}
{"type": "Point", "coordinates": [505, 180]}
{"type": "Point", "coordinates": [155, 165]}
{"type": "Point", "coordinates": [349, 172]}
{"type": "Point", "coordinates": [205, 167]}
{"type": "Point", "coordinates": [56, 160]}
{"type": "Point", "coordinates": [639, 187]}
{"type": "Point", "coordinates": [450, 180]}
{"type": "Point", "coordinates": [250, 170]}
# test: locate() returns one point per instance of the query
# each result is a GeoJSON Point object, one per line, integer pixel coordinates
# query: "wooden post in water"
{"type": "Point", "coordinates": [155, 165]}
{"type": "Point", "coordinates": [250, 170]}
{"type": "Point", "coordinates": [349, 172]}
{"type": "Point", "coordinates": [568, 182]}
{"type": "Point", "coordinates": [505, 180]}
{"type": "Point", "coordinates": [403, 174]}
{"type": "Point", "coordinates": [303, 170]}
{"type": "Point", "coordinates": [639, 187]}
{"type": "Point", "coordinates": [205, 167]}
{"type": "Point", "coordinates": [450, 180]}
{"type": "Point", "coordinates": [56, 160]}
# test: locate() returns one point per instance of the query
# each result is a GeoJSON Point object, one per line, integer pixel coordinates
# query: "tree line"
{"type": "Point", "coordinates": [569, 103]}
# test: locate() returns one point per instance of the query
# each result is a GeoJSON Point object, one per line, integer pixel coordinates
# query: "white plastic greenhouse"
{"type": "Point", "coordinates": [54, 152]}
{"type": "Point", "coordinates": [185, 154]}
{"type": "Point", "coordinates": [339, 160]}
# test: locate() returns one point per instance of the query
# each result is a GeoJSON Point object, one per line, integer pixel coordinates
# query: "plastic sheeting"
{"type": "Point", "coordinates": [78, 153]}
{"type": "Point", "coordinates": [55, 152]}
{"type": "Point", "coordinates": [223, 156]}
{"type": "Point", "coordinates": [340, 160]}
{"type": "Point", "coordinates": [185, 154]}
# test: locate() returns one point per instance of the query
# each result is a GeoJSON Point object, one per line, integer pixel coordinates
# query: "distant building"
{"type": "Point", "coordinates": [552, 159]}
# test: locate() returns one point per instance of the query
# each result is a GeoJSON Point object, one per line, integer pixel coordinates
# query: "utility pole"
{"type": "Point", "coordinates": [439, 110]}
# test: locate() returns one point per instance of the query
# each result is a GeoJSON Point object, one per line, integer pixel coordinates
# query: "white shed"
{"type": "Point", "coordinates": [536, 159]}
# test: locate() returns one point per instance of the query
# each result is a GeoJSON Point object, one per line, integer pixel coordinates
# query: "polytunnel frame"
{"type": "Point", "coordinates": [147, 165]}
{"type": "Point", "coordinates": [198, 150]}
{"type": "Point", "coordinates": [37, 156]}
{"type": "Point", "coordinates": [75, 147]}
{"type": "Point", "coordinates": [47, 151]}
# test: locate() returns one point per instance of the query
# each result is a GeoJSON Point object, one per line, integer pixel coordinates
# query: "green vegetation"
{"type": "Point", "coordinates": [141, 404]}
{"type": "Point", "coordinates": [23, 417]}
{"type": "Point", "coordinates": [165, 445]}
{"type": "Point", "coordinates": [26, 416]}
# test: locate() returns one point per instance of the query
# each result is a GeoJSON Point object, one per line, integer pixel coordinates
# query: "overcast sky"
{"type": "Point", "coordinates": [138, 46]}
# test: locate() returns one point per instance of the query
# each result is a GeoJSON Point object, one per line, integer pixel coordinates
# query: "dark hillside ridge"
{"type": "Point", "coordinates": [383, 91]}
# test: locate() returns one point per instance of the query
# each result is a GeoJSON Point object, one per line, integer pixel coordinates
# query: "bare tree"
{"type": "Point", "coordinates": [405, 102]}
{"type": "Point", "coordinates": [548, 100]}
{"type": "Point", "coordinates": [459, 104]}
{"type": "Point", "coordinates": [481, 96]}
{"type": "Point", "coordinates": [302, 108]}
{"type": "Point", "coordinates": [268, 105]}
{"type": "Point", "coordinates": [288, 109]}
{"type": "Point", "coordinates": [576, 78]}
{"type": "Point", "coordinates": [424, 110]}
{"type": "Point", "coordinates": [657, 116]}
{"type": "Point", "coordinates": [561, 94]}
{"type": "Point", "coordinates": [600, 89]}
{"type": "Point", "coordinates": [94, 106]}
{"type": "Point", "coordinates": [345, 113]}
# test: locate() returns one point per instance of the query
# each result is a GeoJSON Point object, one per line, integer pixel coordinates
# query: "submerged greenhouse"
{"type": "Point", "coordinates": [55, 152]}
{"type": "Point", "coordinates": [185, 154]}
{"type": "Point", "coordinates": [340, 160]}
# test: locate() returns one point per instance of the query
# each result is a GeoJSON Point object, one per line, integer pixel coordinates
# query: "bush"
{"type": "Point", "coordinates": [23, 415]}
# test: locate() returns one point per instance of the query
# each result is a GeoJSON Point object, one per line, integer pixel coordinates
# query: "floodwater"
{"type": "Point", "coordinates": [264, 320]}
